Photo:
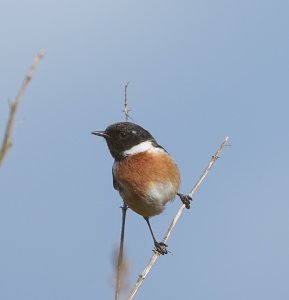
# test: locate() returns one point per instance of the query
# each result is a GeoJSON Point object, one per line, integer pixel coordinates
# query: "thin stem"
{"type": "Point", "coordinates": [6, 143]}
{"type": "Point", "coordinates": [119, 272]}
{"type": "Point", "coordinates": [154, 257]}
{"type": "Point", "coordinates": [126, 109]}
{"type": "Point", "coordinates": [120, 254]}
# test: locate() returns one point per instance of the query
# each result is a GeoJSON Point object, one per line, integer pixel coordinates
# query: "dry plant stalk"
{"type": "Point", "coordinates": [120, 260]}
{"type": "Point", "coordinates": [126, 109]}
{"type": "Point", "coordinates": [155, 256]}
{"type": "Point", "coordinates": [6, 143]}
{"type": "Point", "coordinates": [119, 270]}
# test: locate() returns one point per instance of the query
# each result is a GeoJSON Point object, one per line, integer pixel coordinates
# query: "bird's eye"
{"type": "Point", "coordinates": [123, 135]}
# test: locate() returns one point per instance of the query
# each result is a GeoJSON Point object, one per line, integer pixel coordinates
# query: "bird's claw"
{"type": "Point", "coordinates": [186, 199]}
{"type": "Point", "coordinates": [161, 248]}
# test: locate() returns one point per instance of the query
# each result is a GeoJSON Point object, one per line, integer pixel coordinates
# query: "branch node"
{"type": "Point", "coordinates": [126, 110]}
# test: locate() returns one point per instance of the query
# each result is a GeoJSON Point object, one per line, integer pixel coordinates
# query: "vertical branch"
{"type": "Point", "coordinates": [155, 256]}
{"type": "Point", "coordinates": [14, 105]}
{"type": "Point", "coordinates": [126, 109]}
{"type": "Point", "coordinates": [120, 262]}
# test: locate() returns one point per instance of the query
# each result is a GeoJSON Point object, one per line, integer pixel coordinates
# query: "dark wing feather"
{"type": "Point", "coordinates": [115, 185]}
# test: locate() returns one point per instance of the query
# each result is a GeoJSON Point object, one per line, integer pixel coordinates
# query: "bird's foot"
{"type": "Point", "coordinates": [186, 199]}
{"type": "Point", "coordinates": [161, 248]}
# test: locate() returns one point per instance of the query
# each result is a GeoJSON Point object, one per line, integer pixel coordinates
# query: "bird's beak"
{"type": "Point", "coordinates": [100, 133]}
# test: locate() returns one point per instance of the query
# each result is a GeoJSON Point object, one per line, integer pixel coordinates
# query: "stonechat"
{"type": "Point", "coordinates": [144, 174]}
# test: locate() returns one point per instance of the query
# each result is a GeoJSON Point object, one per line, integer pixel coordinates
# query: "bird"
{"type": "Point", "coordinates": [144, 173]}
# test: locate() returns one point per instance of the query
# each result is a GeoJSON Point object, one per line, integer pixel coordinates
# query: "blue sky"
{"type": "Point", "coordinates": [198, 71]}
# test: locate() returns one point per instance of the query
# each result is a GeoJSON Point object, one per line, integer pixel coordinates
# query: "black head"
{"type": "Point", "coordinates": [123, 136]}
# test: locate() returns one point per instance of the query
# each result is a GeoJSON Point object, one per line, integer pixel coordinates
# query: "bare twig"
{"type": "Point", "coordinates": [126, 109]}
{"type": "Point", "coordinates": [6, 143]}
{"type": "Point", "coordinates": [119, 272]}
{"type": "Point", "coordinates": [154, 257]}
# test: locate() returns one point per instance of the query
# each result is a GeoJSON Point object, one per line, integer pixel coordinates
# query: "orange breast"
{"type": "Point", "coordinates": [147, 181]}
